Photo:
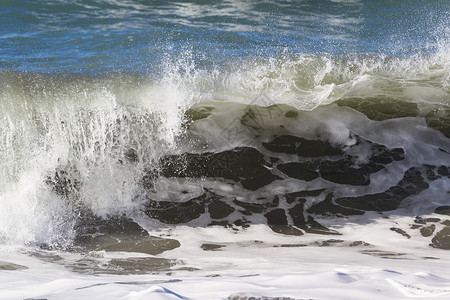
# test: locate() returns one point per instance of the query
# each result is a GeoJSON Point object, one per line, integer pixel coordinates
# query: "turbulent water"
{"type": "Point", "coordinates": [305, 116]}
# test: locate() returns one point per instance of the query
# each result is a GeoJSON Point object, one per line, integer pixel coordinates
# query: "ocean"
{"type": "Point", "coordinates": [268, 150]}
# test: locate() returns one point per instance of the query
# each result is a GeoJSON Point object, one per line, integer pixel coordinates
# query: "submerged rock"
{"type": "Point", "coordinates": [245, 165]}
{"type": "Point", "coordinates": [439, 119]}
{"type": "Point", "coordinates": [331, 163]}
{"type": "Point", "coordinates": [380, 109]}
{"type": "Point", "coordinates": [428, 230]}
{"type": "Point", "coordinates": [302, 171]}
{"type": "Point", "coordinates": [400, 231]}
{"type": "Point", "coordinates": [443, 210]}
{"type": "Point", "coordinates": [218, 209]}
{"type": "Point", "coordinates": [176, 212]}
{"type": "Point", "coordinates": [7, 266]}
{"type": "Point", "coordinates": [118, 233]}
{"type": "Point", "coordinates": [327, 207]}
{"type": "Point", "coordinates": [172, 212]}
{"type": "Point", "coordinates": [442, 239]}
{"type": "Point", "coordinates": [277, 221]}
{"type": "Point", "coordinates": [119, 266]}
{"type": "Point", "coordinates": [302, 147]}
{"type": "Point", "coordinates": [412, 183]}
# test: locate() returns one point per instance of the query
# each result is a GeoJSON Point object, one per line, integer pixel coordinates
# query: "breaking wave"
{"type": "Point", "coordinates": [342, 130]}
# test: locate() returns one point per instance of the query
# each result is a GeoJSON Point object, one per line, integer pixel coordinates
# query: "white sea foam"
{"type": "Point", "coordinates": [247, 266]}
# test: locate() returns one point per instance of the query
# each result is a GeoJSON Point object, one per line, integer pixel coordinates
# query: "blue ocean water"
{"type": "Point", "coordinates": [87, 36]}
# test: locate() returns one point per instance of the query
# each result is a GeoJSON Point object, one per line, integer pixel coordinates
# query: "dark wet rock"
{"type": "Point", "coordinates": [400, 231]}
{"type": "Point", "coordinates": [443, 210]}
{"type": "Point", "coordinates": [149, 245]}
{"type": "Point", "coordinates": [432, 220]}
{"type": "Point", "coordinates": [380, 153]}
{"type": "Point", "coordinates": [327, 207]}
{"type": "Point", "coordinates": [442, 239]}
{"type": "Point", "coordinates": [385, 156]}
{"type": "Point", "coordinates": [276, 217]}
{"type": "Point", "coordinates": [297, 215]}
{"type": "Point", "coordinates": [439, 119]}
{"type": "Point", "coordinates": [312, 226]}
{"type": "Point", "coordinates": [250, 208]}
{"type": "Point", "coordinates": [197, 113]}
{"type": "Point", "coordinates": [291, 114]}
{"type": "Point", "coordinates": [241, 223]}
{"type": "Point", "coordinates": [275, 202]}
{"type": "Point", "coordinates": [220, 223]}
{"type": "Point", "coordinates": [412, 183]}
{"type": "Point", "coordinates": [118, 233]}
{"type": "Point", "coordinates": [384, 254]}
{"type": "Point", "coordinates": [420, 220]}
{"type": "Point", "coordinates": [290, 245]}
{"type": "Point", "coordinates": [359, 244]}
{"type": "Point", "coordinates": [313, 148]}
{"type": "Point", "coordinates": [89, 224]}
{"type": "Point", "coordinates": [138, 265]}
{"type": "Point", "coordinates": [176, 212]}
{"type": "Point", "coordinates": [277, 221]}
{"type": "Point", "coordinates": [211, 247]}
{"type": "Point", "coordinates": [444, 171]}
{"type": "Point", "coordinates": [172, 212]}
{"type": "Point", "coordinates": [302, 147]}
{"type": "Point", "coordinates": [247, 297]}
{"type": "Point", "coordinates": [302, 171]}
{"type": "Point", "coordinates": [380, 109]}
{"type": "Point", "coordinates": [328, 243]}
{"type": "Point", "coordinates": [431, 173]}
{"type": "Point", "coordinates": [285, 229]}
{"type": "Point", "coordinates": [259, 180]}
{"type": "Point", "coordinates": [428, 230]}
{"type": "Point", "coordinates": [235, 225]}
{"type": "Point", "coordinates": [308, 224]}
{"type": "Point", "coordinates": [300, 195]}
{"type": "Point", "coordinates": [7, 266]}
{"type": "Point", "coordinates": [253, 169]}
{"type": "Point", "coordinates": [47, 256]}
{"type": "Point", "coordinates": [342, 172]}
{"type": "Point", "coordinates": [374, 202]}
{"type": "Point", "coordinates": [245, 165]}
{"type": "Point", "coordinates": [283, 144]}
{"type": "Point", "coordinates": [218, 209]}
{"type": "Point", "coordinates": [347, 171]}
{"type": "Point", "coordinates": [446, 222]}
